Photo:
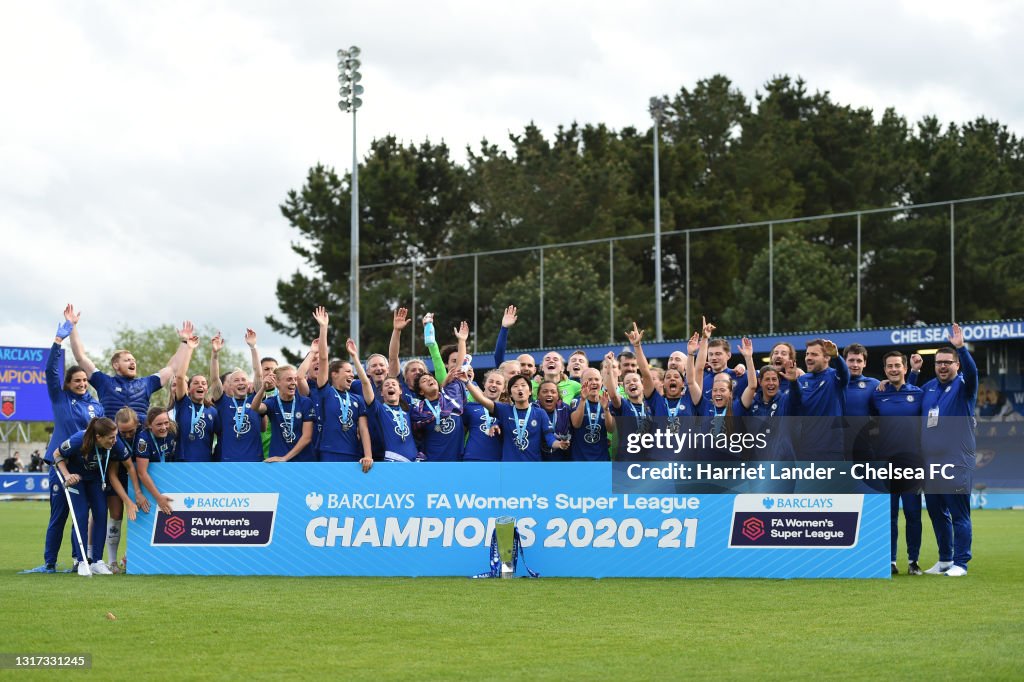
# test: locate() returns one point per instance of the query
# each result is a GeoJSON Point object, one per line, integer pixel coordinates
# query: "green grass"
{"type": "Point", "coordinates": [929, 627]}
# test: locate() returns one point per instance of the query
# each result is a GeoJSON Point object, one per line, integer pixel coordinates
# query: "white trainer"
{"type": "Point", "coordinates": [940, 567]}
{"type": "Point", "coordinates": [957, 571]}
{"type": "Point", "coordinates": [101, 568]}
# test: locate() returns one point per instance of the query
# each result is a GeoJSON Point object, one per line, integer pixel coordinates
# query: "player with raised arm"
{"type": "Point", "coordinates": [194, 415]}
{"type": "Point", "coordinates": [125, 387]}
{"type": "Point", "coordinates": [437, 420]}
{"type": "Point", "coordinates": [897, 409]}
{"type": "Point", "coordinates": [390, 411]}
{"type": "Point", "coordinates": [73, 409]}
{"type": "Point", "coordinates": [484, 442]}
{"type": "Point", "coordinates": [346, 433]}
{"type": "Point", "coordinates": [822, 393]}
{"type": "Point", "coordinates": [238, 436]}
{"type": "Point", "coordinates": [948, 438]}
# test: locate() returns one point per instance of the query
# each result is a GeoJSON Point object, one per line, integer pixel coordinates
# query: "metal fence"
{"type": "Point", "coordinates": [769, 226]}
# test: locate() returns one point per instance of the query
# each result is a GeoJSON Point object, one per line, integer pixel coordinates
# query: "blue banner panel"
{"type": "Point", "coordinates": [437, 519]}
{"type": "Point", "coordinates": [23, 396]}
{"type": "Point", "coordinates": [24, 484]}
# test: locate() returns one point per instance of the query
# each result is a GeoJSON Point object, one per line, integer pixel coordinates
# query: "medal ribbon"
{"type": "Point", "coordinates": [436, 411]}
{"type": "Point", "coordinates": [196, 416]}
{"type": "Point", "coordinates": [239, 416]}
{"type": "Point", "coordinates": [289, 417]}
{"type": "Point", "coordinates": [343, 405]}
{"type": "Point", "coordinates": [521, 426]}
{"type": "Point", "coordinates": [103, 464]}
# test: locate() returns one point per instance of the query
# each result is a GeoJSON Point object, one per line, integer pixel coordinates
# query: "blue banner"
{"type": "Point", "coordinates": [23, 396]}
{"type": "Point", "coordinates": [24, 484]}
{"type": "Point", "coordinates": [436, 520]}
{"type": "Point", "coordinates": [936, 335]}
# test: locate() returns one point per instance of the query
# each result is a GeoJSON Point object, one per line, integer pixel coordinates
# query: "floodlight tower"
{"type": "Point", "coordinates": [348, 78]}
{"type": "Point", "coordinates": [658, 108]}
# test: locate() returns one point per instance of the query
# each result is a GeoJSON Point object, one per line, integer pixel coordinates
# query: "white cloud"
{"type": "Point", "coordinates": [152, 142]}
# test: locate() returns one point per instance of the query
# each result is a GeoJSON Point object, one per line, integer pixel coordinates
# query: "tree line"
{"type": "Point", "coordinates": [724, 159]}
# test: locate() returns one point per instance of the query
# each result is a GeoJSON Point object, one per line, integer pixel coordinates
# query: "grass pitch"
{"type": "Point", "coordinates": [927, 627]}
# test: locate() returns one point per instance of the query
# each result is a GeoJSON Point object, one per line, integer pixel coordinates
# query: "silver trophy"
{"type": "Point", "coordinates": [505, 532]}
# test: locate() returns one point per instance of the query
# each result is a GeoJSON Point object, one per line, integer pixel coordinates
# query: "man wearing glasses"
{"type": "Point", "coordinates": [947, 437]}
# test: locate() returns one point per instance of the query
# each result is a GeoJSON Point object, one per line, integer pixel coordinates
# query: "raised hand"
{"type": "Point", "coordinates": [462, 333]}
{"type": "Point", "coordinates": [350, 346]}
{"type": "Point", "coordinates": [746, 347]}
{"type": "Point", "coordinates": [957, 337]}
{"type": "Point", "coordinates": [428, 318]}
{"type": "Point", "coordinates": [830, 349]}
{"type": "Point", "coordinates": [916, 362]}
{"type": "Point", "coordinates": [186, 331]}
{"type": "Point", "coordinates": [603, 399]}
{"type": "Point", "coordinates": [71, 315]}
{"type": "Point", "coordinates": [401, 319]}
{"type": "Point", "coordinates": [510, 316]}
{"type": "Point", "coordinates": [706, 327]}
{"type": "Point", "coordinates": [193, 342]}
{"type": "Point", "coordinates": [269, 381]}
{"type": "Point", "coordinates": [693, 345]}
{"type": "Point", "coordinates": [321, 316]}
{"type": "Point", "coordinates": [250, 338]}
{"type": "Point", "coordinates": [634, 335]}
{"type": "Point", "coordinates": [217, 342]}
{"type": "Point", "coordinates": [789, 370]}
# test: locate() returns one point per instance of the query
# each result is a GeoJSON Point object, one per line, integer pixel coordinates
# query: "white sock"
{"type": "Point", "coordinates": [113, 540]}
{"type": "Point", "coordinates": [88, 553]}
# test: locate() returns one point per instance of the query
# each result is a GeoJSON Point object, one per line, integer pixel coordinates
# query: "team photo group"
{"type": "Point", "coordinates": [561, 409]}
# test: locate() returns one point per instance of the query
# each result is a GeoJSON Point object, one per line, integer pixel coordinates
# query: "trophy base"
{"type": "Point", "coordinates": [507, 571]}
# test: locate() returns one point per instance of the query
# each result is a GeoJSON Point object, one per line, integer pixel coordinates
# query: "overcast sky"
{"type": "Point", "coordinates": [146, 146]}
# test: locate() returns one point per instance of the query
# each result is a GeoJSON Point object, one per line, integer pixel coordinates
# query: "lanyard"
{"type": "Point", "coordinates": [289, 417]}
{"type": "Point", "coordinates": [672, 411]}
{"type": "Point", "coordinates": [521, 425]}
{"type": "Point", "coordinates": [398, 415]}
{"type": "Point", "coordinates": [343, 405]}
{"type": "Point", "coordinates": [156, 448]}
{"type": "Point", "coordinates": [639, 416]}
{"type": "Point", "coordinates": [719, 420]}
{"type": "Point", "coordinates": [592, 417]}
{"type": "Point", "coordinates": [436, 411]}
{"type": "Point", "coordinates": [239, 416]}
{"type": "Point", "coordinates": [103, 464]}
{"type": "Point", "coordinates": [196, 417]}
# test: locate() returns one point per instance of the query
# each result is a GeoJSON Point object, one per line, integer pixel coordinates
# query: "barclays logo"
{"type": "Point", "coordinates": [768, 503]}
{"type": "Point", "coordinates": [190, 502]}
{"type": "Point", "coordinates": [314, 501]}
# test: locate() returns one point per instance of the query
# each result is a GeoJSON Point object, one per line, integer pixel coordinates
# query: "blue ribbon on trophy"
{"type": "Point", "coordinates": [506, 548]}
